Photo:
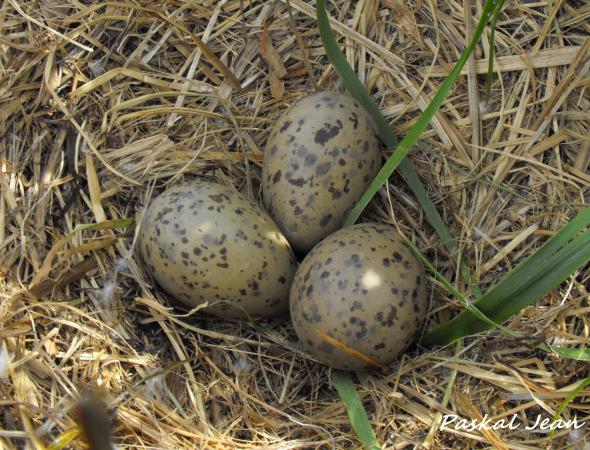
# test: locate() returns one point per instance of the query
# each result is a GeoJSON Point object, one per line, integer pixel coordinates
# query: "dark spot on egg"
{"type": "Point", "coordinates": [325, 220]}
{"type": "Point", "coordinates": [327, 132]}
{"type": "Point", "coordinates": [323, 168]}
{"type": "Point", "coordinates": [285, 126]}
{"type": "Point", "coordinates": [299, 182]}
{"type": "Point", "coordinates": [309, 160]}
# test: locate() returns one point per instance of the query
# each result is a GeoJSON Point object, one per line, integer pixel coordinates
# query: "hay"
{"type": "Point", "coordinates": [88, 136]}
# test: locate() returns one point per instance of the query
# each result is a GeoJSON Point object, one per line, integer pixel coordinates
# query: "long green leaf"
{"type": "Point", "coordinates": [355, 410]}
{"type": "Point", "coordinates": [538, 274]}
{"type": "Point", "coordinates": [358, 90]}
{"type": "Point", "coordinates": [579, 354]}
{"type": "Point", "coordinates": [535, 283]}
{"type": "Point", "coordinates": [571, 353]}
{"type": "Point", "coordinates": [585, 382]}
{"type": "Point", "coordinates": [519, 277]}
{"type": "Point", "coordinates": [470, 306]}
{"type": "Point", "coordinates": [425, 118]}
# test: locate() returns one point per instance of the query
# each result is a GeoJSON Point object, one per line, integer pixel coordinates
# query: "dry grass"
{"type": "Point", "coordinates": [88, 136]}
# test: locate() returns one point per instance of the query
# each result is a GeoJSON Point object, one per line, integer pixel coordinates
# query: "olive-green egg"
{"type": "Point", "coordinates": [359, 298]}
{"type": "Point", "coordinates": [204, 242]}
{"type": "Point", "coordinates": [320, 157]}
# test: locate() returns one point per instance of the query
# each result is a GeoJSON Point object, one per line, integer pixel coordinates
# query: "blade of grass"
{"type": "Point", "coordinates": [571, 353]}
{"type": "Point", "coordinates": [585, 382]}
{"type": "Point", "coordinates": [530, 274]}
{"type": "Point", "coordinates": [529, 289]}
{"type": "Point", "coordinates": [425, 118]}
{"type": "Point", "coordinates": [470, 306]}
{"type": "Point", "coordinates": [358, 90]}
{"type": "Point", "coordinates": [538, 261]}
{"type": "Point", "coordinates": [578, 354]}
{"type": "Point", "coordinates": [355, 410]}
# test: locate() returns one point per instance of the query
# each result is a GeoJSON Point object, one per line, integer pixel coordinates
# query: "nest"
{"type": "Point", "coordinates": [104, 104]}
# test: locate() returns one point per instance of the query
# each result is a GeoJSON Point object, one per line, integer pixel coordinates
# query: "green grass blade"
{"type": "Point", "coordinates": [349, 77]}
{"type": "Point", "coordinates": [425, 118]}
{"type": "Point", "coordinates": [585, 382]}
{"type": "Point", "coordinates": [358, 90]}
{"type": "Point", "coordinates": [355, 410]}
{"type": "Point", "coordinates": [571, 353]}
{"type": "Point", "coordinates": [561, 266]}
{"type": "Point", "coordinates": [342, 381]}
{"type": "Point", "coordinates": [436, 221]}
{"type": "Point", "coordinates": [514, 287]}
{"type": "Point", "coordinates": [579, 354]}
{"type": "Point", "coordinates": [519, 277]}
{"type": "Point", "coordinates": [470, 306]}
{"type": "Point", "coordinates": [520, 292]}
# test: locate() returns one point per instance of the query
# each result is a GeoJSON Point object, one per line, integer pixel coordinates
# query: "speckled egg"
{"type": "Point", "coordinates": [359, 298]}
{"type": "Point", "coordinates": [204, 242]}
{"type": "Point", "coordinates": [320, 157]}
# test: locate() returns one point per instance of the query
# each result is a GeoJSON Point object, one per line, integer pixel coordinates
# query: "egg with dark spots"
{"type": "Point", "coordinates": [206, 243]}
{"type": "Point", "coordinates": [320, 157]}
{"type": "Point", "coordinates": [359, 298]}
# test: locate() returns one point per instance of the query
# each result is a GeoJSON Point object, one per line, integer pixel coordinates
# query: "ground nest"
{"type": "Point", "coordinates": [105, 104]}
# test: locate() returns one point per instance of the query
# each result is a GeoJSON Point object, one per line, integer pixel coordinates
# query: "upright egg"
{"type": "Point", "coordinates": [320, 157]}
{"type": "Point", "coordinates": [359, 297]}
{"type": "Point", "coordinates": [206, 243]}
